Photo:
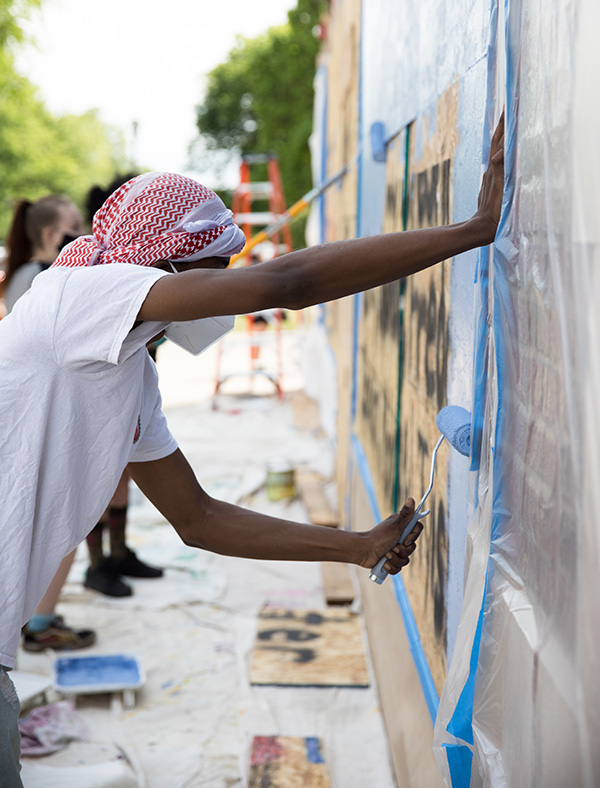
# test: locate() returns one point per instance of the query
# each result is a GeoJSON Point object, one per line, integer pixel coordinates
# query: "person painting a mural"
{"type": "Point", "coordinates": [80, 395]}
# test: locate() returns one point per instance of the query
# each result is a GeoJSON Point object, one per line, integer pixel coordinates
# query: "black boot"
{"type": "Point", "coordinates": [105, 578]}
{"type": "Point", "coordinates": [131, 566]}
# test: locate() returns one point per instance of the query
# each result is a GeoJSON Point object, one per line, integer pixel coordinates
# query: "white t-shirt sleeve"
{"type": "Point", "coordinates": [98, 307]}
{"type": "Point", "coordinates": [156, 440]}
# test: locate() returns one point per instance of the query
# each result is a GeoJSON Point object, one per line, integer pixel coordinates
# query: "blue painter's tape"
{"type": "Point", "coordinates": [461, 722]}
{"type": "Point", "coordinates": [313, 750]}
{"type": "Point", "coordinates": [412, 631]}
{"type": "Point", "coordinates": [460, 760]}
{"type": "Point", "coordinates": [481, 360]}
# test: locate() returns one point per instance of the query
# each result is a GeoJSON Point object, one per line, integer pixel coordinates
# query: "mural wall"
{"type": "Point", "coordinates": [500, 608]}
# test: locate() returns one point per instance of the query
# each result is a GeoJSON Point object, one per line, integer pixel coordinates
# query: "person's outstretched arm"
{"type": "Point", "coordinates": [205, 522]}
{"type": "Point", "coordinates": [323, 273]}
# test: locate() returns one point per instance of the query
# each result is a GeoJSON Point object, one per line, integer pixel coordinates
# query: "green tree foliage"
{"type": "Point", "coordinates": [11, 11]}
{"type": "Point", "coordinates": [39, 152]}
{"type": "Point", "coordinates": [261, 98]}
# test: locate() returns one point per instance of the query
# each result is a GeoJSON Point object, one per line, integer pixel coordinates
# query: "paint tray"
{"type": "Point", "coordinates": [98, 673]}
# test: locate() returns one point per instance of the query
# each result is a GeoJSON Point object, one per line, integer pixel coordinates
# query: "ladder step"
{"type": "Point", "coordinates": [256, 189]}
{"type": "Point", "coordinates": [256, 218]}
{"type": "Point", "coordinates": [258, 158]}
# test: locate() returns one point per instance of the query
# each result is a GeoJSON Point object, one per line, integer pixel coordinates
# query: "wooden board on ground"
{"type": "Point", "coordinates": [287, 762]}
{"type": "Point", "coordinates": [310, 488]}
{"type": "Point", "coordinates": [305, 411]}
{"type": "Point", "coordinates": [338, 588]}
{"type": "Point", "coordinates": [308, 648]}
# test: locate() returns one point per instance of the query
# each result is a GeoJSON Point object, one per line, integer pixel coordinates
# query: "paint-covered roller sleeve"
{"type": "Point", "coordinates": [454, 423]}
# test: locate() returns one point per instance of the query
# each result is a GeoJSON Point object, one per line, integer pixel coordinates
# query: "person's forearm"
{"type": "Point", "coordinates": [231, 530]}
{"type": "Point", "coordinates": [203, 521]}
{"type": "Point", "coordinates": [311, 276]}
{"type": "Point", "coordinates": [338, 269]}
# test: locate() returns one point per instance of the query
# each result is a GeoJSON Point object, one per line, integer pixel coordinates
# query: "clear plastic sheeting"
{"type": "Point", "coordinates": [521, 704]}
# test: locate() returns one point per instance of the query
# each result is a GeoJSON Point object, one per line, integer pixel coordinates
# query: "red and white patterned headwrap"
{"type": "Point", "coordinates": [156, 216]}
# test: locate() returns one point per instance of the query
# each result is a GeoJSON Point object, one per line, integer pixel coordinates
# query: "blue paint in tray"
{"type": "Point", "coordinates": [98, 673]}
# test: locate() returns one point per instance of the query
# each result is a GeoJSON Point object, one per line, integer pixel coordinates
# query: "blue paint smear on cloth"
{"type": "Point", "coordinates": [313, 750]}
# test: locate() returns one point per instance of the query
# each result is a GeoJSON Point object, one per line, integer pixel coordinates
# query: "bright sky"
{"type": "Point", "coordinates": [139, 61]}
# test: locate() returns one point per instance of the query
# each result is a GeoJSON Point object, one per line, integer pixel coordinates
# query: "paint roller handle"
{"type": "Point", "coordinates": [378, 573]}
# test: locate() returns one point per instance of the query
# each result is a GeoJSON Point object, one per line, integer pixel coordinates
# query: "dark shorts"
{"type": "Point", "coordinates": [10, 739]}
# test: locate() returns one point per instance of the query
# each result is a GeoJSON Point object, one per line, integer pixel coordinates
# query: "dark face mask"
{"type": "Point", "coordinates": [67, 238]}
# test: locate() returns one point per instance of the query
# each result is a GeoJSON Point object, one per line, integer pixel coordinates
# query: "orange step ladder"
{"type": "Point", "coordinates": [270, 196]}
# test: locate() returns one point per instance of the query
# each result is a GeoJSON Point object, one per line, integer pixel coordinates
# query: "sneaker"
{"type": "Point", "coordinates": [57, 636]}
{"type": "Point", "coordinates": [131, 566]}
{"type": "Point", "coordinates": [105, 578]}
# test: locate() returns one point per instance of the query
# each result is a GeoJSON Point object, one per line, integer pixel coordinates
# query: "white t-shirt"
{"type": "Point", "coordinates": [79, 400]}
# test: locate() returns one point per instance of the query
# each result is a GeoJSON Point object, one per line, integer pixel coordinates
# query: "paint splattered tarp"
{"type": "Point", "coordinates": [521, 705]}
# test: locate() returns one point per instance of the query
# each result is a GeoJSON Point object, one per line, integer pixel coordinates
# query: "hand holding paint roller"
{"type": "Point", "coordinates": [454, 423]}
{"type": "Point", "coordinates": [398, 555]}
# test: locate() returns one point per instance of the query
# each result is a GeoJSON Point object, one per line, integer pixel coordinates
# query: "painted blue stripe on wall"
{"type": "Point", "coordinates": [416, 648]}
{"type": "Point", "coordinates": [412, 631]}
{"type": "Point", "coordinates": [365, 475]}
{"type": "Point", "coordinates": [359, 183]}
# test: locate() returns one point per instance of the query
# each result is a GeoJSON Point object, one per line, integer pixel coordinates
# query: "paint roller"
{"type": "Point", "coordinates": [454, 423]}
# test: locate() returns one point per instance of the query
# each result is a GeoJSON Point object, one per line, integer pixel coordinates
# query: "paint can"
{"type": "Point", "coordinates": [280, 480]}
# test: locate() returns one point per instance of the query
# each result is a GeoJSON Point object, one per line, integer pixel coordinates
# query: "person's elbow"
{"type": "Point", "coordinates": [193, 528]}
{"type": "Point", "coordinates": [188, 535]}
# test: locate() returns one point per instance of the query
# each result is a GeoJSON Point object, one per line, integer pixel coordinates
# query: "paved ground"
{"type": "Point", "coordinates": [193, 630]}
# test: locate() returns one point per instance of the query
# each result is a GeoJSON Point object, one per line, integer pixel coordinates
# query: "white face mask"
{"type": "Point", "coordinates": [198, 335]}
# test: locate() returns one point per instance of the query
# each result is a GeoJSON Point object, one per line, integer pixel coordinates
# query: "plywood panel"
{"type": "Point", "coordinates": [424, 375]}
{"type": "Point", "coordinates": [342, 57]}
{"type": "Point", "coordinates": [407, 721]}
{"type": "Point", "coordinates": [287, 762]}
{"type": "Point", "coordinates": [379, 351]}
{"type": "Point", "coordinates": [316, 648]}
{"type": "Point", "coordinates": [340, 321]}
